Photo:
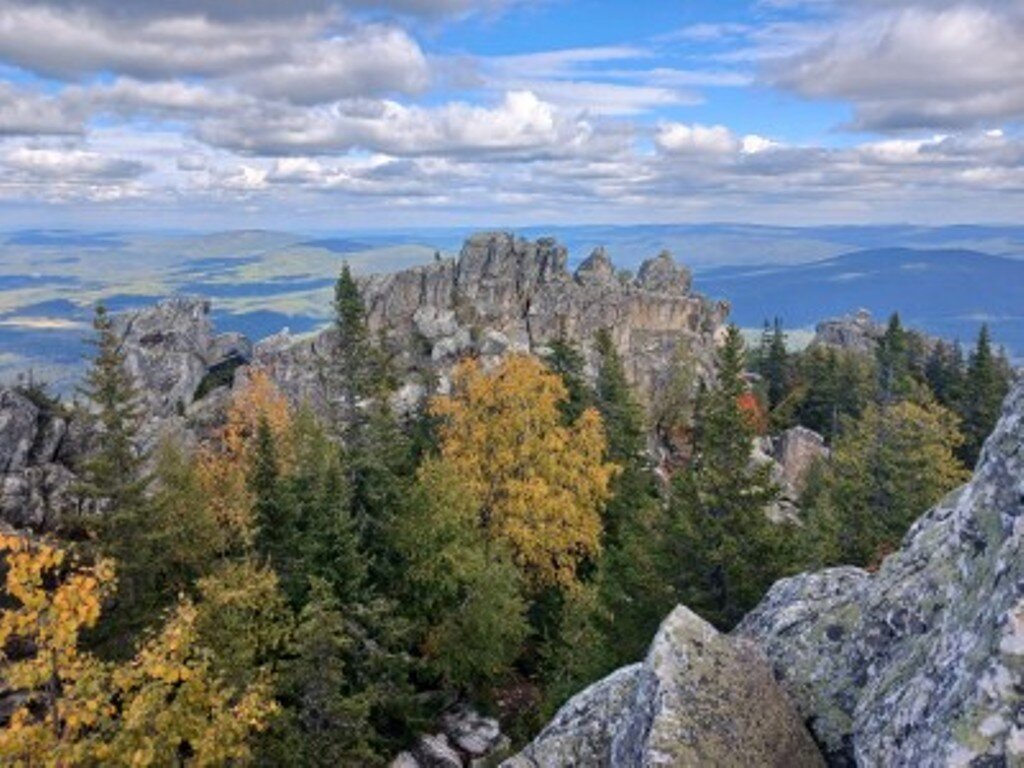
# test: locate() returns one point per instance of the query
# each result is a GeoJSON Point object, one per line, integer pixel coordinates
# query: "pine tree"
{"type": "Point", "coordinates": [111, 475]}
{"type": "Point", "coordinates": [944, 374]}
{"type": "Point", "coordinates": [986, 385]}
{"type": "Point", "coordinates": [728, 551]}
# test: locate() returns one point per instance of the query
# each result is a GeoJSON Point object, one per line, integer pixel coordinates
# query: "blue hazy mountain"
{"type": "Point", "coordinates": [947, 292]}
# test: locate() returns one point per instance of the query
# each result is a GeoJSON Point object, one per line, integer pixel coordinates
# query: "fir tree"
{"type": "Point", "coordinates": [626, 435]}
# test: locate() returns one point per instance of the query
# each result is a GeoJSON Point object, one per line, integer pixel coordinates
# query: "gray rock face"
{"type": "Point", "coordinates": [170, 347]}
{"type": "Point", "coordinates": [37, 497]}
{"type": "Point", "coordinates": [505, 294]}
{"type": "Point", "coordinates": [34, 486]}
{"type": "Point", "coordinates": [857, 332]}
{"type": "Point", "coordinates": [699, 699]}
{"type": "Point", "coordinates": [795, 451]}
{"type": "Point", "coordinates": [663, 275]}
{"type": "Point", "coordinates": [18, 429]}
{"type": "Point", "coordinates": [921, 663]}
{"type": "Point", "coordinates": [596, 269]}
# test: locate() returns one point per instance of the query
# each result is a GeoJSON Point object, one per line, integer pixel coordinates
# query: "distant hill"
{"type": "Point", "coordinates": [947, 292]}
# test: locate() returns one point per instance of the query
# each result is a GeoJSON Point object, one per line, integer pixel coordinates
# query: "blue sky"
{"type": "Point", "coordinates": [323, 115]}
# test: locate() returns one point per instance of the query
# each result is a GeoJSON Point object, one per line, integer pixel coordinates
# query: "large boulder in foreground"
{"type": "Point", "coordinates": [921, 663]}
{"type": "Point", "coordinates": [700, 698]}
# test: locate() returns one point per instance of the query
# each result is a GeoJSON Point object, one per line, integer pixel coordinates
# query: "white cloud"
{"type": "Point", "coordinates": [678, 138]}
{"type": "Point", "coordinates": [521, 124]}
{"type": "Point", "coordinates": [921, 66]}
{"type": "Point", "coordinates": [30, 114]}
{"type": "Point", "coordinates": [372, 60]}
{"type": "Point", "coordinates": [71, 164]}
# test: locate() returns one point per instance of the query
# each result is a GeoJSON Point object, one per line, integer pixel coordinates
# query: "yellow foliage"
{"type": "Point", "coordinates": [222, 469]}
{"type": "Point", "coordinates": [537, 485]}
{"type": "Point", "coordinates": [66, 686]}
{"type": "Point", "coordinates": [78, 710]}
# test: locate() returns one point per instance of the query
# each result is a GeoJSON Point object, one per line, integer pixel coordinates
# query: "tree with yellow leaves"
{"type": "Point", "coordinates": [163, 707]}
{"type": "Point", "coordinates": [537, 486]}
{"type": "Point", "coordinates": [65, 693]}
{"type": "Point", "coordinates": [224, 469]}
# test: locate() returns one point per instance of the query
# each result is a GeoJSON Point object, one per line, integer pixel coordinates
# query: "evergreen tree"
{"type": "Point", "coordinates": [462, 592]}
{"type": "Point", "coordinates": [886, 469]}
{"type": "Point", "coordinates": [111, 475]}
{"type": "Point", "coordinates": [986, 385]}
{"type": "Point", "coordinates": [894, 365]}
{"type": "Point", "coordinates": [773, 364]}
{"type": "Point", "coordinates": [322, 720]}
{"type": "Point", "coordinates": [352, 372]}
{"type": "Point", "coordinates": [728, 551]}
{"type": "Point", "coordinates": [626, 435]}
{"type": "Point", "coordinates": [944, 374]}
{"type": "Point", "coordinates": [566, 360]}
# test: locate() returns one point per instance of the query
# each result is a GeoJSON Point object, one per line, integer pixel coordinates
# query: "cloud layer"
{"type": "Point", "coordinates": [343, 112]}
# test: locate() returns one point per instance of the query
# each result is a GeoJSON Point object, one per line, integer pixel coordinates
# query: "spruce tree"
{"type": "Point", "coordinates": [567, 361]}
{"type": "Point", "coordinates": [986, 385]}
{"type": "Point", "coordinates": [773, 363]}
{"type": "Point", "coordinates": [111, 474]}
{"type": "Point", "coordinates": [626, 433]}
{"type": "Point", "coordinates": [112, 489]}
{"type": "Point", "coordinates": [894, 366]}
{"type": "Point", "coordinates": [728, 551]}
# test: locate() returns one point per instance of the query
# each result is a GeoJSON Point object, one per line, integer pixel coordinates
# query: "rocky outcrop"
{"type": "Point", "coordinates": [857, 332]}
{"type": "Point", "coordinates": [922, 662]}
{"type": "Point", "coordinates": [173, 354]}
{"type": "Point", "coordinates": [466, 739]}
{"type": "Point", "coordinates": [699, 699]}
{"type": "Point", "coordinates": [506, 294]}
{"type": "Point", "coordinates": [35, 486]}
{"type": "Point", "coordinates": [795, 451]}
{"type": "Point", "coordinates": [170, 348]}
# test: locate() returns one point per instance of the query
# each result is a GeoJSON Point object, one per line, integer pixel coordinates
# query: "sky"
{"type": "Point", "coordinates": [372, 114]}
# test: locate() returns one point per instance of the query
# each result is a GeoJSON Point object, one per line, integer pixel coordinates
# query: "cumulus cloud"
{"type": "Point", "coordinates": [924, 65]}
{"type": "Point", "coordinates": [373, 60]}
{"type": "Point", "coordinates": [520, 125]}
{"type": "Point", "coordinates": [71, 165]}
{"type": "Point", "coordinates": [30, 114]}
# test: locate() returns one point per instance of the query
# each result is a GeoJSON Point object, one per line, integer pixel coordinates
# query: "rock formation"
{"type": "Point", "coordinates": [699, 699]}
{"type": "Point", "coordinates": [508, 294]}
{"type": "Point", "coordinates": [857, 332]}
{"type": "Point", "coordinates": [173, 354]}
{"type": "Point", "coordinates": [921, 663]}
{"type": "Point", "coordinates": [171, 347]}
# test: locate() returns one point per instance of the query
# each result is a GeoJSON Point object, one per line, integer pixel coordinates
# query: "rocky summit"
{"type": "Point", "coordinates": [922, 662]}
{"type": "Point", "coordinates": [506, 294]}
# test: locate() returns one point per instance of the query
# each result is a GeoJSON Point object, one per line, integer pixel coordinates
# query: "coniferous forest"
{"type": "Point", "coordinates": [318, 588]}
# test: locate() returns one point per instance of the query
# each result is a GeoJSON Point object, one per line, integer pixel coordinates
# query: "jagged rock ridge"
{"type": "Point", "coordinates": [506, 294]}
